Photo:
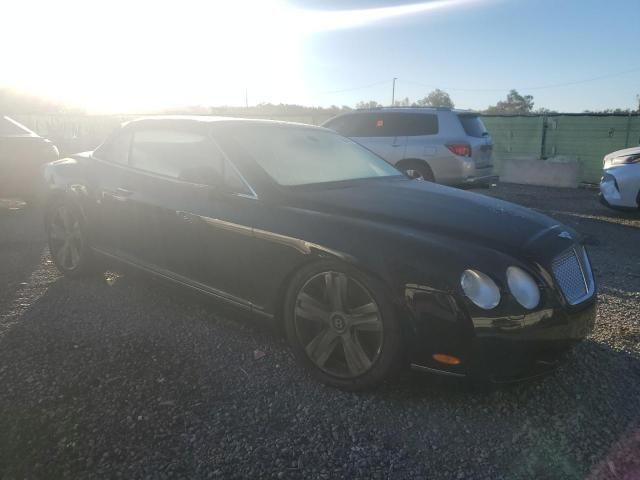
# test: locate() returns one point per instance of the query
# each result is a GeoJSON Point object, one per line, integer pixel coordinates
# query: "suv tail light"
{"type": "Point", "coordinates": [462, 149]}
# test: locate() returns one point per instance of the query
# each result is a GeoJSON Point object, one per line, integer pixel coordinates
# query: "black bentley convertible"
{"type": "Point", "coordinates": [366, 269]}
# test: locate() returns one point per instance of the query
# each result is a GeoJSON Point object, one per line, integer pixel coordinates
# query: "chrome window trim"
{"type": "Point", "coordinates": [252, 195]}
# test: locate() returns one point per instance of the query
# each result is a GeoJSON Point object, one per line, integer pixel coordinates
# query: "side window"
{"type": "Point", "coordinates": [370, 125]}
{"type": "Point", "coordinates": [116, 149]}
{"type": "Point", "coordinates": [362, 125]}
{"type": "Point", "coordinates": [473, 125]}
{"type": "Point", "coordinates": [233, 181]}
{"type": "Point", "coordinates": [386, 124]}
{"type": "Point", "coordinates": [177, 154]}
{"type": "Point", "coordinates": [347, 126]}
{"type": "Point", "coordinates": [378, 124]}
{"type": "Point", "coordinates": [390, 125]}
{"type": "Point", "coordinates": [414, 124]}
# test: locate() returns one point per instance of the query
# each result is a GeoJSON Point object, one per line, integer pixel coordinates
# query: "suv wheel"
{"type": "Point", "coordinates": [418, 171]}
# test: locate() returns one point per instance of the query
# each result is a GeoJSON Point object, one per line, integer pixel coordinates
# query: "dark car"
{"type": "Point", "coordinates": [22, 155]}
{"type": "Point", "coordinates": [365, 268]}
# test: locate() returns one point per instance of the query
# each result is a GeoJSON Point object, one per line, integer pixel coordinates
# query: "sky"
{"type": "Point", "coordinates": [135, 56]}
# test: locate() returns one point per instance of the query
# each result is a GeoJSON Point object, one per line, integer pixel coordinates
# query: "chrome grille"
{"type": "Point", "coordinates": [572, 271]}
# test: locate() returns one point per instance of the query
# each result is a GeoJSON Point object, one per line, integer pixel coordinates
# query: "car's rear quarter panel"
{"type": "Point", "coordinates": [21, 160]}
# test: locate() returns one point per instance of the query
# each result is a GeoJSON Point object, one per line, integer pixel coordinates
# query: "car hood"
{"type": "Point", "coordinates": [622, 153]}
{"type": "Point", "coordinates": [432, 208]}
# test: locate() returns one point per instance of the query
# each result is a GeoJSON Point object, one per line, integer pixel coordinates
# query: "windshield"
{"type": "Point", "coordinates": [300, 156]}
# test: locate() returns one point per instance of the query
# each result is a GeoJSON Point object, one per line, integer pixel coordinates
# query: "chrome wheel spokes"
{"type": "Point", "coordinates": [65, 238]}
{"type": "Point", "coordinates": [339, 324]}
{"type": "Point", "coordinates": [312, 309]}
{"type": "Point", "coordinates": [357, 359]}
{"type": "Point", "coordinates": [415, 174]}
{"type": "Point", "coordinates": [322, 346]}
{"type": "Point", "coordinates": [366, 318]}
{"type": "Point", "coordinates": [336, 290]}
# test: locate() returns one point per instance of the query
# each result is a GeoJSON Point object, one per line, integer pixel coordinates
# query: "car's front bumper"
{"type": "Point", "coordinates": [620, 187]}
{"type": "Point", "coordinates": [505, 354]}
{"type": "Point", "coordinates": [498, 349]}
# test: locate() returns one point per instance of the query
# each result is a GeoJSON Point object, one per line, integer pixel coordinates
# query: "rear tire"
{"type": "Point", "coordinates": [418, 170]}
{"type": "Point", "coordinates": [340, 324]}
{"type": "Point", "coordinates": [66, 231]}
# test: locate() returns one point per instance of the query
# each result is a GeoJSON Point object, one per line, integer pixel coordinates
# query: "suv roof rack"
{"type": "Point", "coordinates": [405, 107]}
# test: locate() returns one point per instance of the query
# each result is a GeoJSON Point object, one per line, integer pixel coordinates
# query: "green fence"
{"type": "Point", "coordinates": [74, 133]}
{"type": "Point", "coordinates": [585, 137]}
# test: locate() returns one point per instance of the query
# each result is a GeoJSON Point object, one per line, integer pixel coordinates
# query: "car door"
{"type": "Point", "coordinates": [380, 132]}
{"type": "Point", "coordinates": [192, 221]}
{"type": "Point", "coordinates": [110, 173]}
{"type": "Point", "coordinates": [424, 143]}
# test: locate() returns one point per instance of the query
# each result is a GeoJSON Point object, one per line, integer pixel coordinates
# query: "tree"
{"type": "Point", "coordinates": [369, 104]}
{"type": "Point", "coordinates": [14, 102]}
{"type": "Point", "coordinates": [515, 103]}
{"type": "Point", "coordinates": [544, 111]}
{"type": "Point", "coordinates": [403, 103]}
{"type": "Point", "coordinates": [616, 111]}
{"type": "Point", "coordinates": [437, 98]}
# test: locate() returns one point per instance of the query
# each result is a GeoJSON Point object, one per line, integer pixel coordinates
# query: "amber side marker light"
{"type": "Point", "coordinates": [448, 359]}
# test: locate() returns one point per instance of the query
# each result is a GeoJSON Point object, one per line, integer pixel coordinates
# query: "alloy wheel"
{"type": "Point", "coordinates": [339, 324]}
{"type": "Point", "coordinates": [65, 237]}
{"type": "Point", "coordinates": [414, 174]}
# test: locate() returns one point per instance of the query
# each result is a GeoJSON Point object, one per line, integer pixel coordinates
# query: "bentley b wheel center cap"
{"type": "Point", "coordinates": [338, 322]}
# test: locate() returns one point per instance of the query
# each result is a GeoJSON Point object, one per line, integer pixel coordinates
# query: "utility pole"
{"type": "Point", "coordinates": [393, 92]}
{"type": "Point", "coordinates": [246, 97]}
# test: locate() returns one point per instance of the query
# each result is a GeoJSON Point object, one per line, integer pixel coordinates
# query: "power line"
{"type": "Point", "coordinates": [362, 87]}
{"type": "Point", "coordinates": [537, 87]}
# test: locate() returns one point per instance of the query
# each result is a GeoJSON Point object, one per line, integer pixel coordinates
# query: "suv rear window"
{"type": "Point", "coordinates": [472, 125]}
{"type": "Point", "coordinates": [385, 124]}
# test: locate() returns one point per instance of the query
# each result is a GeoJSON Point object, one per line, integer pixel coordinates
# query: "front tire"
{"type": "Point", "coordinates": [66, 234]}
{"type": "Point", "coordinates": [341, 326]}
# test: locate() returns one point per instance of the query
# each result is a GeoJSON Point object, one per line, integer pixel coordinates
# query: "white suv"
{"type": "Point", "coordinates": [436, 144]}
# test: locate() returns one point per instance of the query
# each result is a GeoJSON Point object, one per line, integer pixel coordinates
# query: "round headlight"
{"type": "Point", "coordinates": [523, 287]}
{"type": "Point", "coordinates": [480, 289]}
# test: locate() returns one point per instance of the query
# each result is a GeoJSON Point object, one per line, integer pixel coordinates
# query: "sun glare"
{"type": "Point", "coordinates": [138, 56]}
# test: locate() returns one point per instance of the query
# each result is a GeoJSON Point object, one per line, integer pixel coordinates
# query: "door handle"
{"type": "Point", "coordinates": [184, 215]}
{"type": "Point", "coordinates": [123, 192]}
{"type": "Point", "coordinates": [119, 194]}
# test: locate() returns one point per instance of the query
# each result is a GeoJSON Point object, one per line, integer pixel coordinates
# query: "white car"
{"type": "Point", "coordinates": [620, 184]}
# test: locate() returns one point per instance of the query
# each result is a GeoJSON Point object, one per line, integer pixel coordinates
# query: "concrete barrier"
{"type": "Point", "coordinates": [559, 172]}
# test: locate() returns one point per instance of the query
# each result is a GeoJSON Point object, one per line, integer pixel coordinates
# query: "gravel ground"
{"type": "Point", "coordinates": [124, 377]}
